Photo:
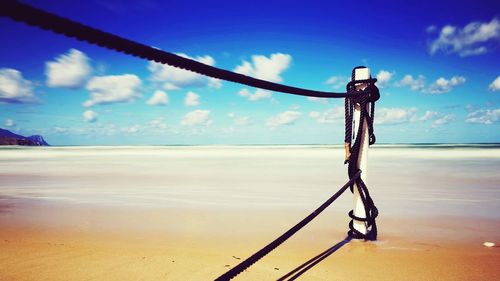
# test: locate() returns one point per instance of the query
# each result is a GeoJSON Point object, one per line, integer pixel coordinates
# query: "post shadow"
{"type": "Point", "coordinates": [303, 268]}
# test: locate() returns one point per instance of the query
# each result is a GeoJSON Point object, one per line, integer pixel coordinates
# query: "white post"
{"type": "Point", "coordinates": [358, 207]}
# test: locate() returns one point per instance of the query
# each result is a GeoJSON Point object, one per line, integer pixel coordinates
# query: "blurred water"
{"type": "Point", "coordinates": [405, 180]}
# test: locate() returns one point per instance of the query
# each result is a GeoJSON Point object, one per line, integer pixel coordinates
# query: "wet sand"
{"type": "Point", "coordinates": [132, 214]}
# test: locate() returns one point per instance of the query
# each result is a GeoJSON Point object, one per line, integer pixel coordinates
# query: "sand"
{"type": "Point", "coordinates": [193, 213]}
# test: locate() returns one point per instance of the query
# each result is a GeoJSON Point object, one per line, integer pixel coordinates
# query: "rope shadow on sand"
{"type": "Point", "coordinates": [303, 268]}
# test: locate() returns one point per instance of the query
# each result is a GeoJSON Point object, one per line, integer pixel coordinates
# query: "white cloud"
{"type": "Point", "coordinates": [158, 123]}
{"type": "Point", "coordinates": [265, 68]}
{"type": "Point", "coordinates": [440, 86]}
{"type": "Point", "coordinates": [437, 118]}
{"type": "Point", "coordinates": [428, 115]}
{"type": "Point", "coordinates": [383, 78]}
{"type": "Point", "coordinates": [445, 119]}
{"type": "Point", "coordinates": [443, 85]}
{"type": "Point", "coordinates": [318, 100]}
{"type": "Point", "coordinates": [495, 85]}
{"type": "Point", "coordinates": [392, 116]}
{"type": "Point", "coordinates": [170, 87]}
{"type": "Point", "coordinates": [132, 129]}
{"type": "Point", "coordinates": [416, 84]}
{"type": "Point", "coordinates": [112, 89]}
{"type": "Point", "coordinates": [14, 88]}
{"type": "Point", "coordinates": [192, 99]}
{"type": "Point", "coordinates": [239, 120]}
{"type": "Point", "coordinates": [69, 70]}
{"type": "Point", "coordinates": [89, 116]}
{"type": "Point", "coordinates": [103, 129]}
{"type": "Point", "coordinates": [314, 114]}
{"type": "Point", "coordinates": [338, 82]}
{"type": "Point", "coordinates": [9, 123]}
{"type": "Point", "coordinates": [474, 52]}
{"type": "Point", "coordinates": [174, 78]}
{"type": "Point", "coordinates": [329, 116]}
{"type": "Point", "coordinates": [158, 98]}
{"type": "Point", "coordinates": [242, 121]}
{"type": "Point", "coordinates": [60, 130]}
{"type": "Point", "coordinates": [473, 39]}
{"type": "Point", "coordinates": [484, 116]}
{"type": "Point", "coordinates": [284, 118]}
{"type": "Point", "coordinates": [431, 28]}
{"type": "Point", "coordinates": [259, 94]}
{"type": "Point", "coordinates": [197, 118]}
{"type": "Point", "coordinates": [214, 83]}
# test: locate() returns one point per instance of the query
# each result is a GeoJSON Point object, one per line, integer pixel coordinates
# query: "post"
{"type": "Point", "coordinates": [358, 207]}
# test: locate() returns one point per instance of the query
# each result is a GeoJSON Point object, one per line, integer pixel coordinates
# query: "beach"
{"type": "Point", "coordinates": [194, 212]}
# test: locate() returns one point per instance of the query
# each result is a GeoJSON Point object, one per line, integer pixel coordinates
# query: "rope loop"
{"type": "Point", "coordinates": [371, 214]}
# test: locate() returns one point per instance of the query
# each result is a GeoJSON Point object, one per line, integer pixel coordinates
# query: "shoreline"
{"type": "Point", "coordinates": [492, 145]}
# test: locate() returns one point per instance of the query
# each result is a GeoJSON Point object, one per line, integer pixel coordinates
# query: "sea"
{"type": "Point", "coordinates": [427, 180]}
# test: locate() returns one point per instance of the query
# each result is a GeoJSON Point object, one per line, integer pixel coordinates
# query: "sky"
{"type": "Point", "coordinates": [437, 65]}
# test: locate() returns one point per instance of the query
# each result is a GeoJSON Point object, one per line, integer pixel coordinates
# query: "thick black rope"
{"type": "Point", "coordinates": [278, 241]}
{"type": "Point", "coordinates": [367, 99]}
{"type": "Point", "coordinates": [48, 21]}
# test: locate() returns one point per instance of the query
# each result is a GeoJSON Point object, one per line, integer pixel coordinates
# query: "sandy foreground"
{"type": "Point", "coordinates": [58, 224]}
{"type": "Point", "coordinates": [103, 244]}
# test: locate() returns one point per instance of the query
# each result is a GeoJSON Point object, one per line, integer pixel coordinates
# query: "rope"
{"type": "Point", "coordinates": [367, 99]}
{"type": "Point", "coordinates": [32, 16]}
{"type": "Point", "coordinates": [278, 241]}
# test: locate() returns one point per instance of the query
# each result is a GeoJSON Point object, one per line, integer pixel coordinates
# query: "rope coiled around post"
{"type": "Point", "coordinates": [364, 98]}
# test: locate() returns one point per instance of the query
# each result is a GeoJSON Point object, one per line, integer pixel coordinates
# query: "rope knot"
{"type": "Point", "coordinates": [373, 93]}
{"type": "Point", "coordinates": [369, 94]}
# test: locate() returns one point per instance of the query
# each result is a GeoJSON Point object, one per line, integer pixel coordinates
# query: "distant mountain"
{"type": "Point", "coordinates": [9, 138]}
{"type": "Point", "coordinates": [38, 140]}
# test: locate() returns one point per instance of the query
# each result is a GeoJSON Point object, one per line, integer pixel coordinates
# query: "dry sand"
{"type": "Point", "coordinates": [168, 244]}
{"type": "Point", "coordinates": [49, 232]}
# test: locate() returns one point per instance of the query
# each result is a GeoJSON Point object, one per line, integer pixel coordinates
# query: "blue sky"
{"type": "Point", "coordinates": [437, 64]}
